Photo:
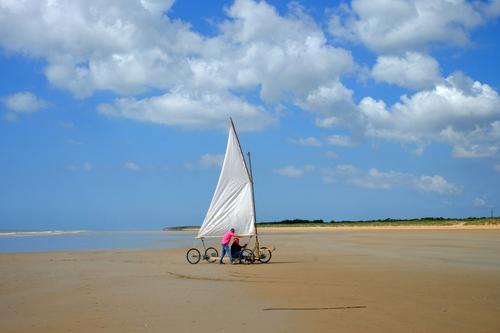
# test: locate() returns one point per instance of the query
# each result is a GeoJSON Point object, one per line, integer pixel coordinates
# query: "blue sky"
{"type": "Point", "coordinates": [114, 114]}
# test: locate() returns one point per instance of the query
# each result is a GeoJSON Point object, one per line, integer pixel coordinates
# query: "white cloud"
{"type": "Point", "coordinates": [376, 179]}
{"type": "Point", "coordinates": [490, 9]}
{"type": "Point", "coordinates": [190, 109]}
{"type": "Point", "coordinates": [479, 203]}
{"type": "Point", "coordinates": [132, 48]}
{"type": "Point", "coordinates": [497, 167]}
{"type": "Point", "coordinates": [131, 166]}
{"type": "Point", "coordinates": [459, 112]}
{"type": "Point", "coordinates": [294, 171]}
{"type": "Point", "coordinates": [211, 161]}
{"type": "Point", "coordinates": [482, 141]}
{"type": "Point", "coordinates": [327, 122]}
{"type": "Point", "coordinates": [395, 26]}
{"type": "Point", "coordinates": [414, 70]}
{"type": "Point", "coordinates": [309, 141]}
{"type": "Point", "coordinates": [340, 140]}
{"type": "Point", "coordinates": [437, 184]}
{"type": "Point", "coordinates": [206, 161]}
{"type": "Point", "coordinates": [331, 104]}
{"type": "Point", "coordinates": [87, 166]}
{"type": "Point", "coordinates": [283, 54]}
{"type": "Point", "coordinates": [91, 45]}
{"type": "Point", "coordinates": [22, 102]}
{"type": "Point", "coordinates": [156, 7]}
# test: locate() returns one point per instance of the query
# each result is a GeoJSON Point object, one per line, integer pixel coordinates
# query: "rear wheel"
{"type": "Point", "coordinates": [211, 254]}
{"type": "Point", "coordinates": [264, 255]}
{"type": "Point", "coordinates": [193, 256]}
{"type": "Point", "coordinates": [247, 257]}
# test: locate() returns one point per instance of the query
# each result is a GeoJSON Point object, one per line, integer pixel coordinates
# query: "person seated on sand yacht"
{"type": "Point", "coordinates": [236, 249]}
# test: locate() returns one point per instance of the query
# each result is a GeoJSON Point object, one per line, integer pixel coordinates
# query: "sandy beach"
{"type": "Point", "coordinates": [377, 280]}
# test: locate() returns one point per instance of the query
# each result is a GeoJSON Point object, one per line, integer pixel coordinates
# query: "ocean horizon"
{"type": "Point", "coordinates": [12, 241]}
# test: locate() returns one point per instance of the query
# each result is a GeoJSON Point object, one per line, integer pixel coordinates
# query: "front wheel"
{"type": "Point", "coordinates": [211, 254]}
{"type": "Point", "coordinates": [247, 257]}
{"type": "Point", "coordinates": [193, 256]}
{"type": "Point", "coordinates": [264, 255]}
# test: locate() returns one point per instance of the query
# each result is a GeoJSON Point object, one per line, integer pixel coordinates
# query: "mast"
{"type": "Point", "coordinates": [253, 202]}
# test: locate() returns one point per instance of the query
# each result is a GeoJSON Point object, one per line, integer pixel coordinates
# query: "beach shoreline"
{"type": "Point", "coordinates": [320, 280]}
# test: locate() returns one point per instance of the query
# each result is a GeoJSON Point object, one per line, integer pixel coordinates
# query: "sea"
{"type": "Point", "coordinates": [84, 240]}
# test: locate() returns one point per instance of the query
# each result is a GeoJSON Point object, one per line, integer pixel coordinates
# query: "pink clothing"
{"type": "Point", "coordinates": [227, 237]}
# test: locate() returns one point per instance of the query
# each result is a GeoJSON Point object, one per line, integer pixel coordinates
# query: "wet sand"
{"type": "Point", "coordinates": [384, 280]}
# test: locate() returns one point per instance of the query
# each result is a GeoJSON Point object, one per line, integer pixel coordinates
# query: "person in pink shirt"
{"type": "Point", "coordinates": [226, 239]}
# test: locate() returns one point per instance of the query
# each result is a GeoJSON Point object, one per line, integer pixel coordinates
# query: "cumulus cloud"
{"type": "Point", "coordinates": [460, 112]}
{"type": "Point", "coordinates": [133, 47]}
{"type": "Point", "coordinates": [479, 203]}
{"type": "Point", "coordinates": [282, 54]}
{"type": "Point", "coordinates": [490, 9]}
{"type": "Point", "coordinates": [455, 110]}
{"type": "Point", "coordinates": [169, 74]}
{"type": "Point", "coordinates": [22, 102]}
{"type": "Point", "coordinates": [331, 104]}
{"type": "Point", "coordinates": [376, 179]}
{"type": "Point", "coordinates": [436, 184]}
{"type": "Point", "coordinates": [309, 141]}
{"type": "Point", "coordinates": [131, 166]}
{"type": "Point", "coordinates": [190, 109]}
{"type": "Point", "coordinates": [414, 70]}
{"type": "Point", "coordinates": [332, 140]}
{"type": "Point", "coordinates": [87, 166]}
{"type": "Point", "coordinates": [340, 140]}
{"type": "Point", "coordinates": [211, 160]}
{"type": "Point", "coordinates": [92, 45]}
{"type": "Point", "coordinates": [206, 161]}
{"type": "Point", "coordinates": [398, 26]}
{"type": "Point", "coordinates": [294, 171]}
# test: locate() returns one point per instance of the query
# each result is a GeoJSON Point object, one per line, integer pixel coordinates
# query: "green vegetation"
{"type": "Point", "coordinates": [181, 228]}
{"type": "Point", "coordinates": [385, 222]}
{"type": "Point", "coordinates": [426, 221]}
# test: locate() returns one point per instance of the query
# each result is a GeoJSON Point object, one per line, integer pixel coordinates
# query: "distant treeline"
{"type": "Point", "coordinates": [379, 222]}
{"type": "Point", "coordinates": [295, 221]}
{"type": "Point", "coordinates": [387, 220]}
{"type": "Point", "coordinates": [181, 228]}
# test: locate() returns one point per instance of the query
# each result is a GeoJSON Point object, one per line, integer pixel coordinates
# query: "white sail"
{"type": "Point", "coordinates": [232, 204]}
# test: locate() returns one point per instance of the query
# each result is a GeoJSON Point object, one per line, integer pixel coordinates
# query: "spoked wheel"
{"type": "Point", "coordinates": [247, 257]}
{"type": "Point", "coordinates": [193, 256]}
{"type": "Point", "coordinates": [264, 255]}
{"type": "Point", "coordinates": [211, 254]}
